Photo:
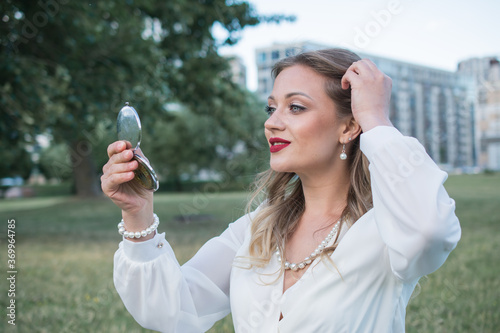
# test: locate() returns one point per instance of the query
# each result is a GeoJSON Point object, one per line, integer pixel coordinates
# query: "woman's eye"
{"type": "Point", "coordinates": [270, 110]}
{"type": "Point", "coordinates": [293, 108]}
{"type": "Point", "coordinates": [296, 108]}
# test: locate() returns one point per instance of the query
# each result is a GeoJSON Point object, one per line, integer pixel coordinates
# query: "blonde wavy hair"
{"type": "Point", "coordinates": [280, 194]}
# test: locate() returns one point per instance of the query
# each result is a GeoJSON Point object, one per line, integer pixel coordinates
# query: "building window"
{"type": "Point", "coordinates": [275, 55]}
{"type": "Point", "coordinates": [263, 85]}
{"type": "Point", "coordinates": [261, 57]}
{"type": "Point", "coordinates": [289, 52]}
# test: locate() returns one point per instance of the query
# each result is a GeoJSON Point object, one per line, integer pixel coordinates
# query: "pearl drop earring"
{"type": "Point", "coordinates": [343, 155]}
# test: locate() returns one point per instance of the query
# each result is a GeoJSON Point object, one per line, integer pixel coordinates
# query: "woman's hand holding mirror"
{"type": "Point", "coordinates": [128, 179]}
{"type": "Point", "coordinates": [129, 129]}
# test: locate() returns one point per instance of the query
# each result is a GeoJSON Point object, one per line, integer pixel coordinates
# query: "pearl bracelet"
{"type": "Point", "coordinates": [138, 234]}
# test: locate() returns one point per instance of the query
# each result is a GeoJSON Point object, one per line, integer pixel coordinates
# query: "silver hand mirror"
{"type": "Point", "coordinates": [128, 127]}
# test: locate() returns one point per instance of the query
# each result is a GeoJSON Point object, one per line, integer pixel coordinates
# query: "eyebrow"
{"type": "Point", "coordinates": [292, 94]}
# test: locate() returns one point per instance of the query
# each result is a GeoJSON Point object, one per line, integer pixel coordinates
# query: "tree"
{"type": "Point", "coordinates": [66, 68]}
{"type": "Point", "coordinates": [16, 161]}
{"type": "Point", "coordinates": [189, 143]}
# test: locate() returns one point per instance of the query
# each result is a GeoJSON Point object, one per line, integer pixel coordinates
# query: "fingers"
{"type": "Point", "coordinates": [119, 163]}
{"type": "Point", "coordinates": [354, 71]}
{"type": "Point", "coordinates": [119, 170]}
{"type": "Point", "coordinates": [118, 147]}
{"type": "Point", "coordinates": [118, 153]}
{"type": "Point", "coordinates": [347, 79]}
{"type": "Point", "coordinates": [362, 68]}
{"type": "Point", "coordinates": [120, 167]}
{"type": "Point", "coordinates": [351, 75]}
{"type": "Point", "coordinates": [366, 64]}
{"type": "Point", "coordinates": [124, 167]}
{"type": "Point", "coordinates": [370, 94]}
{"type": "Point", "coordinates": [111, 181]}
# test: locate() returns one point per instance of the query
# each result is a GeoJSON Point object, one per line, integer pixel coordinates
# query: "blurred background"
{"type": "Point", "coordinates": [198, 73]}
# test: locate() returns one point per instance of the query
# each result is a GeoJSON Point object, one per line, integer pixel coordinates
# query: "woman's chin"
{"type": "Point", "coordinates": [280, 167]}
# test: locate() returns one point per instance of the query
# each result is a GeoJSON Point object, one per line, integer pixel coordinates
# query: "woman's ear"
{"type": "Point", "coordinates": [351, 130]}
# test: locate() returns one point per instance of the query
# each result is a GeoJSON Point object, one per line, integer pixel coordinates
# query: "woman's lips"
{"type": "Point", "coordinates": [278, 144]}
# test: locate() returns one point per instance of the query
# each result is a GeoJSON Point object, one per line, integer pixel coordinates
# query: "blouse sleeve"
{"type": "Point", "coordinates": [164, 296]}
{"type": "Point", "coordinates": [413, 212]}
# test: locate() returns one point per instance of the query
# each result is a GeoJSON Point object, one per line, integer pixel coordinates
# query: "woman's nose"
{"type": "Point", "coordinates": [275, 122]}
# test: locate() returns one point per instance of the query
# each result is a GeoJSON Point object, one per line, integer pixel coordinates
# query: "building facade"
{"type": "Point", "coordinates": [238, 71]}
{"type": "Point", "coordinates": [268, 56]}
{"type": "Point", "coordinates": [486, 72]}
{"type": "Point", "coordinates": [435, 106]}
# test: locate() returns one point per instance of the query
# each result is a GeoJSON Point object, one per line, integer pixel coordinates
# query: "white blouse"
{"type": "Point", "coordinates": [407, 234]}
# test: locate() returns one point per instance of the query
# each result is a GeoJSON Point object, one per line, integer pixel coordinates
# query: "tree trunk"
{"type": "Point", "coordinates": [84, 170]}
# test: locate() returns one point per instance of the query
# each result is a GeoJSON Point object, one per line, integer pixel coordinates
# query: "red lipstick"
{"type": "Point", "coordinates": [277, 144]}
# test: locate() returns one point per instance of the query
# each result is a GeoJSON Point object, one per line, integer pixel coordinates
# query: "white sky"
{"type": "Point", "coordinates": [436, 33]}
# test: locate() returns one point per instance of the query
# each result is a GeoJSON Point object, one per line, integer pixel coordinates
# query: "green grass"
{"type": "Point", "coordinates": [65, 247]}
{"type": "Point", "coordinates": [464, 294]}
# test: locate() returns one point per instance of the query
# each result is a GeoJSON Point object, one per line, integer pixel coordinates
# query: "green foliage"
{"type": "Point", "coordinates": [68, 66]}
{"type": "Point", "coordinates": [231, 144]}
{"type": "Point", "coordinates": [15, 161]}
{"type": "Point", "coordinates": [55, 162]}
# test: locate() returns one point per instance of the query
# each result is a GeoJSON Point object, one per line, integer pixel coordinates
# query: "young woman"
{"type": "Point", "coordinates": [354, 213]}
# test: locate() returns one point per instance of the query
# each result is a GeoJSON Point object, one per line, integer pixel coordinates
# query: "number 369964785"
{"type": "Point", "coordinates": [11, 247]}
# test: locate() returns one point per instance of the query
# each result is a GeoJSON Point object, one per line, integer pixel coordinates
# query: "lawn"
{"type": "Point", "coordinates": [65, 247]}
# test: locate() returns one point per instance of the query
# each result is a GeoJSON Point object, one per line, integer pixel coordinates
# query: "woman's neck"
{"type": "Point", "coordinates": [325, 196]}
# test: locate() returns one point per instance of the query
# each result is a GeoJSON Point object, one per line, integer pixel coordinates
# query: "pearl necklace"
{"type": "Point", "coordinates": [313, 255]}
